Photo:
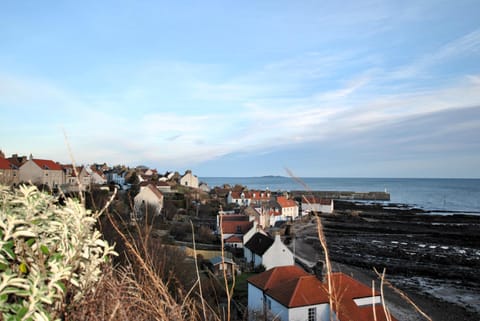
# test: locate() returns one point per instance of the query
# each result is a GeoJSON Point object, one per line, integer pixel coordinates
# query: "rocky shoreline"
{"type": "Point", "coordinates": [435, 259]}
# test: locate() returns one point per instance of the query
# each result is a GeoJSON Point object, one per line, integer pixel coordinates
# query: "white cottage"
{"type": "Point", "coordinates": [261, 249]}
{"type": "Point", "coordinates": [291, 294]}
{"type": "Point", "coordinates": [149, 198]}
{"type": "Point", "coordinates": [188, 179]}
{"type": "Point", "coordinates": [317, 205]}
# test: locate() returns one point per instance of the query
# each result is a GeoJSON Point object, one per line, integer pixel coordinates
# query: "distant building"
{"type": "Point", "coordinates": [317, 205]}
{"type": "Point", "coordinates": [41, 171]}
{"type": "Point", "coordinates": [188, 179]}
{"type": "Point", "coordinates": [149, 201]}
{"type": "Point", "coordinates": [219, 265]}
{"type": "Point", "coordinates": [288, 208]}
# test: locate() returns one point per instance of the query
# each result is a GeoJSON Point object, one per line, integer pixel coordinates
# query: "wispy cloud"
{"type": "Point", "coordinates": [467, 44]}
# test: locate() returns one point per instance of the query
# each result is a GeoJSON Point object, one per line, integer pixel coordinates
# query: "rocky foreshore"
{"type": "Point", "coordinates": [433, 258]}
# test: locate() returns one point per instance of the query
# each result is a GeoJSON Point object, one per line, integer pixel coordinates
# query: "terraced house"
{"type": "Point", "coordinates": [8, 171]}
{"type": "Point", "coordinates": [42, 171]}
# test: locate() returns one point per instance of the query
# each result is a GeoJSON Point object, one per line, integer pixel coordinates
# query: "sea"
{"type": "Point", "coordinates": [437, 195]}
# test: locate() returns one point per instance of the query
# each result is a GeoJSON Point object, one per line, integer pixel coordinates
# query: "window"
{"type": "Point", "coordinates": [312, 314]}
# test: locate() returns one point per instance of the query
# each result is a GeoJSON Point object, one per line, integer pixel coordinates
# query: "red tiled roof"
{"type": "Point", "coordinates": [47, 164]}
{"type": "Point", "coordinates": [5, 164]}
{"type": "Point", "coordinates": [285, 202]}
{"type": "Point", "coordinates": [347, 289]}
{"type": "Point", "coordinates": [293, 287]}
{"type": "Point", "coordinates": [316, 200]}
{"type": "Point", "coordinates": [260, 195]}
{"type": "Point", "coordinates": [236, 227]}
{"type": "Point", "coordinates": [305, 290]}
{"type": "Point", "coordinates": [276, 276]}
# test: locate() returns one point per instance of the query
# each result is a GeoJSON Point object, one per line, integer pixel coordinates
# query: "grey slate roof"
{"type": "Point", "coordinates": [259, 243]}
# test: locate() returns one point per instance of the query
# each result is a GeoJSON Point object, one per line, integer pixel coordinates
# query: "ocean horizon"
{"type": "Point", "coordinates": [457, 195]}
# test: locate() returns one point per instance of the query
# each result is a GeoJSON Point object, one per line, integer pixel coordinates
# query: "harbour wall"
{"type": "Point", "coordinates": [345, 195]}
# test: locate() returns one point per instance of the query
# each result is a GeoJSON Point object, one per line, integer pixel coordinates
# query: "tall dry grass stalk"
{"type": "Point", "coordinates": [228, 291]}
{"type": "Point", "coordinates": [402, 294]}
{"type": "Point", "coordinates": [198, 272]}
{"type": "Point", "coordinates": [332, 296]}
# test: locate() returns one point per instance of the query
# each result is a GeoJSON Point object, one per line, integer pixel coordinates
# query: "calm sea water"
{"type": "Point", "coordinates": [459, 195]}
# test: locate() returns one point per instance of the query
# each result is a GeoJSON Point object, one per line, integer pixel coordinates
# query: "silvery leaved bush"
{"type": "Point", "coordinates": [46, 251]}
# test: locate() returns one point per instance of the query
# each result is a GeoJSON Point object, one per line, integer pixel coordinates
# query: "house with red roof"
{"type": "Point", "coordinates": [237, 227]}
{"type": "Point", "coordinates": [246, 198]}
{"type": "Point", "coordinates": [288, 293]}
{"type": "Point", "coordinates": [8, 171]}
{"type": "Point", "coordinates": [241, 198]}
{"type": "Point", "coordinates": [317, 205]}
{"type": "Point", "coordinates": [288, 209]}
{"type": "Point", "coordinates": [42, 171]}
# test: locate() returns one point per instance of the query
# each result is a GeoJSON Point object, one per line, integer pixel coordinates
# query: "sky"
{"type": "Point", "coordinates": [245, 88]}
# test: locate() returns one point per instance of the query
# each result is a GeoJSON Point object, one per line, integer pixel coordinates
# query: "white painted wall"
{"type": "Point", "coordinates": [189, 180]}
{"type": "Point", "coordinates": [255, 299]}
{"type": "Point", "coordinates": [146, 195]}
{"type": "Point", "coordinates": [277, 255]}
{"type": "Point", "coordinates": [301, 313]}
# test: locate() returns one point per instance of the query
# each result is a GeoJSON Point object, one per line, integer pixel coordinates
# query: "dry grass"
{"type": "Point", "coordinates": [140, 289]}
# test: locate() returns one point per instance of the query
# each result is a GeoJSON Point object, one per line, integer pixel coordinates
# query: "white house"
{"type": "Point", "coordinates": [41, 171]}
{"type": "Point", "coordinates": [96, 176]}
{"type": "Point", "coordinates": [261, 249]}
{"type": "Point", "coordinates": [188, 179]}
{"type": "Point", "coordinates": [239, 198]}
{"type": "Point", "coordinates": [149, 198]}
{"type": "Point", "coordinates": [288, 208]}
{"type": "Point", "coordinates": [291, 294]}
{"type": "Point", "coordinates": [317, 205]}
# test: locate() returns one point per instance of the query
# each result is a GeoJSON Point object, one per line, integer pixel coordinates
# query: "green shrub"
{"type": "Point", "coordinates": [47, 251]}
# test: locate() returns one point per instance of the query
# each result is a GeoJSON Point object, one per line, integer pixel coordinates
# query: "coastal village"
{"type": "Point", "coordinates": [252, 225]}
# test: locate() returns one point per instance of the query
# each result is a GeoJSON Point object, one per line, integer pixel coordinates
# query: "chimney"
{"type": "Point", "coordinates": [277, 237]}
{"type": "Point", "coordinates": [318, 270]}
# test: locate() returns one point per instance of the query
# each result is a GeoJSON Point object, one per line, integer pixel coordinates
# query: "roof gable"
{"type": "Point", "coordinates": [259, 243]}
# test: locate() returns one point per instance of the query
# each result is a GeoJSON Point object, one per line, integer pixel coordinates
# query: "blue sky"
{"type": "Point", "coordinates": [245, 88]}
